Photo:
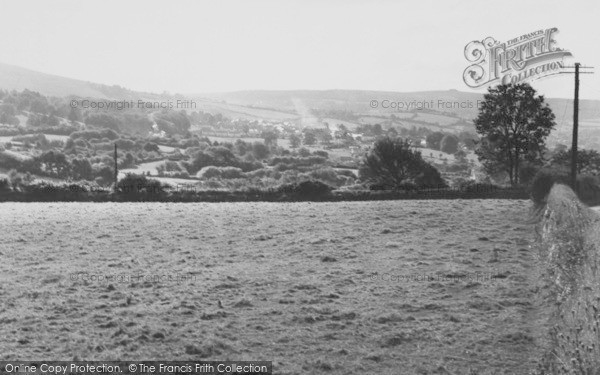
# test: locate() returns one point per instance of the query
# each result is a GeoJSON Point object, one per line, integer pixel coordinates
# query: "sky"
{"type": "Point", "coordinates": [182, 46]}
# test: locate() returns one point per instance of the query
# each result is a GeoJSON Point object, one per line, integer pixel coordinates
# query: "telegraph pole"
{"type": "Point", "coordinates": [577, 66]}
{"type": "Point", "coordinates": [116, 169]}
{"type": "Point", "coordinates": [575, 131]}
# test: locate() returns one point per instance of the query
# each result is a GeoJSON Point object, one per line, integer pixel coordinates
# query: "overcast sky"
{"type": "Point", "coordinates": [206, 46]}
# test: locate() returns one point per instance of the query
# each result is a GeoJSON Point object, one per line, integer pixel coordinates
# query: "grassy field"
{"type": "Point", "coordinates": [50, 137]}
{"type": "Point", "coordinates": [244, 112]}
{"type": "Point", "coordinates": [404, 287]}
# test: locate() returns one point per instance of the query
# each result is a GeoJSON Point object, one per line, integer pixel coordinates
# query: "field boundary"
{"type": "Point", "coordinates": [77, 193]}
{"type": "Point", "coordinates": [568, 237]}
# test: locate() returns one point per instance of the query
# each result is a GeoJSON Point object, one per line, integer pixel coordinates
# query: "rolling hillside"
{"type": "Point", "coordinates": [17, 78]}
{"type": "Point", "coordinates": [451, 110]}
{"type": "Point", "coordinates": [359, 101]}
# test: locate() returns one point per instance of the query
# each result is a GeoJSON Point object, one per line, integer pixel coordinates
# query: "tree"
{"type": "Point", "coordinates": [81, 169]}
{"type": "Point", "coordinates": [270, 138]}
{"type": "Point", "coordinates": [101, 120]}
{"type": "Point", "coordinates": [392, 133]}
{"type": "Point", "coordinates": [304, 152]}
{"type": "Point", "coordinates": [309, 138]}
{"type": "Point", "coordinates": [433, 140]}
{"type": "Point", "coordinates": [260, 150]}
{"type": "Point", "coordinates": [449, 144]}
{"type": "Point", "coordinates": [75, 115]}
{"type": "Point", "coordinates": [294, 141]}
{"type": "Point", "coordinates": [460, 156]}
{"type": "Point", "coordinates": [129, 160]}
{"type": "Point", "coordinates": [245, 129]}
{"type": "Point", "coordinates": [393, 162]}
{"type": "Point", "coordinates": [55, 163]}
{"type": "Point", "coordinates": [514, 124]}
{"type": "Point", "coordinates": [429, 177]}
{"type": "Point", "coordinates": [8, 119]}
{"type": "Point", "coordinates": [53, 121]}
{"type": "Point", "coordinates": [588, 161]}
{"type": "Point", "coordinates": [377, 130]}
{"type": "Point", "coordinates": [468, 139]}
{"type": "Point", "coordinates": [15, 178]}
{"type": "Point", "coordinates": [342, 132]}
{"type": "Point", "coordinates": [8, 109]}
{"type": "Point", "coordinates": [173, 122]}
{"type": "Point", "coordinates": [151, 146]}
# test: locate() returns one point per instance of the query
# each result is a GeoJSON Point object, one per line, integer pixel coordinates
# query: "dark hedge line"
{"type": "Point", "coordinates": [286, 193]}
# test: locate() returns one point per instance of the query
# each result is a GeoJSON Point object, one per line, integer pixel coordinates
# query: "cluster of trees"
{"type": "Point", "coordinates": [447, 143]}
{"type": "Point", "coordinates": [451, 143]}
{"type": "Point", "coordinates": [393, 163]}
{"type": "Point", "coordinates": [59, 165]}
{"type": "Point", "coordinates": [588, 161]}
{"type": "Point", "coordinates": [205, 118]}
{"type": "Point", "coordinates": [513, 124]}
{"type": "Point", "coordinates": [56, 116]}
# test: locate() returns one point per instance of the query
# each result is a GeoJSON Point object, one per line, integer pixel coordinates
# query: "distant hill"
{"type": "Point", "coordinates": [358, 101]}
{"type": "Point", "coordinates": [449, 110]}
{"type": "Point", "coordinates": [17, 78]}
{"type": "Point", "coordinates": [443, 109]}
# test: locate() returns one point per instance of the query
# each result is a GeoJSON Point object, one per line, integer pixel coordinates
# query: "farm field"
{"type": "Point", "coordinates": [394, 287]}
{"type": "Point", "coordinates": [241, 111]}
{"type": "Point", "coordinates": [50, 137]}
{"type": "Point", "coordinates": [285, 143]}
{"type": "Point", "coordinates": [143, 168]}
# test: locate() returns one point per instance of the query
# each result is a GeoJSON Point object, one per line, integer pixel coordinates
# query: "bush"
{"type": "Point", "coordinates": [133, 184]}
{"type": "Point", "coordinates": [407, 186]}
{"type": "Point", "coordinates": [109, 134]}
{"type": "Point", "coordinates": [15, 178]}
{"type": "Point", "coordinates": [10, 161]}
{"type": "Point", "coordinates": [124, 144]}
{"type": "Point", "coordinates": [307, 189]}
{"type": "Point", "coordinates": [449, 144]}
{"type": "Point", "coordinates": [209, 172]}
{"type": "Point", "coordinates": [231, 172]}
{"type": "Point", "coordinates": [4, 185]}
{"type": "Point", "coordinates": [429, 177]}
{"type": "Point", "coordinates": [220, 172]}
{"type": "Point", "coordinates": [527, 173]}
{"type": "Point", "coordinates": [330, 176]}
{"type": "Point", "coordinates": [298, 161]}
{"type": "Point", "coordinates": [393, 161]}
{"type": "Point", "coordinates": [169, 166]}
{"type": "Point", "coordinates": [588, 189]}
{"type": "Point", "coordinates": [183, 174]}
{"type": "Point", "coordinates": [478, 187]}
{"type": "Point", "coordinates": [151, 146]}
